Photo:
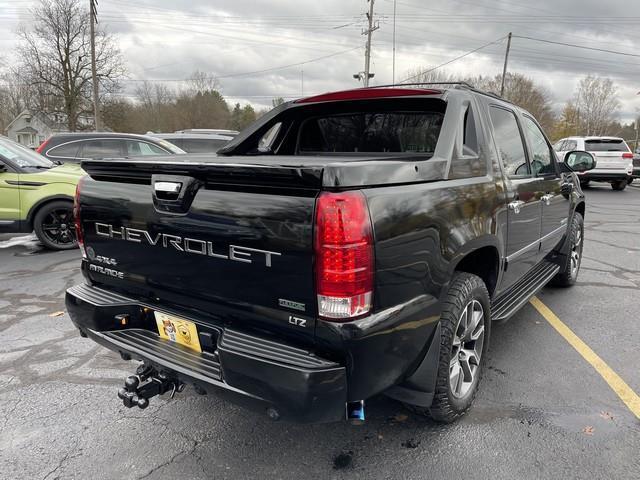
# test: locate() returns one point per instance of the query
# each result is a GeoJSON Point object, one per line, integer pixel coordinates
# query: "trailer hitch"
{"type": "Point", "coordinates": [145, 384]}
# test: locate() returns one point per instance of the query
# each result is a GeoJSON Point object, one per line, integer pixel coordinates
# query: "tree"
{"type": "Point", "coordinates": [519, 89]}
{"type": "Point", "coordinates": [567, 125]}
{"type": "Point", "coordinates": [524, 92]}
{"type": "Point", "coordinates": [55, 57]}
{"type": "Point", "coordinates": [200, 104]}
{"type": "Point", "coordinates": [242, 116]}
{"type": "Point", "coordinates": [155, 108]}
{"type": "Point", "coordinates": [276, 102]}
{"type": "Point", "coordinates": [428, 75]}
{"type": "Point", "coordinates": [596, 101]}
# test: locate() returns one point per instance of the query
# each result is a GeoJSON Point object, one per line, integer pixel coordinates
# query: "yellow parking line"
{"type": "Point", "coordinates": [617, 384]}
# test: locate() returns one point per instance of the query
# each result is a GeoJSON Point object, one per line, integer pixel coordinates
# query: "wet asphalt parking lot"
{"type": "Point", "coordinates": [542, 410]}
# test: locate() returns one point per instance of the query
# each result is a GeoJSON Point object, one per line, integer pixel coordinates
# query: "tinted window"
{"type": "Point", "coordinates": [65, 150]}
{"type": "Point", "coordinates": [202, 145]}
{"type": "Point", "coordinates": [540, 152]}
{"type": "Point", "coordinates": [510, 146]}
{"type": "Point", "coordinates": [21, 156]}
{"type": "Point", "coordinates": [267, 141]}
{"type": "Point", "coordinates": [606, 146]}
{"type": "Point", "coordinates": [101, 148]}
{"type": "Point", "coordinates": [136, 148]}
{"type": "Point", "coordinates": [570, 145]}
{"type": "Point", "coordinates": [397, 132]}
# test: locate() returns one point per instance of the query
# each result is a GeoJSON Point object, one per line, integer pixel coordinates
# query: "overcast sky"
{"type": "Point", "coordinates": [237, 39]}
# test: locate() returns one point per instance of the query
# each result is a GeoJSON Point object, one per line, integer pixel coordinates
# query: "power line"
{"type": "Point", "coordinates": [454, 59]}
{"type": "Point", "coordinates": [254, 72]}
{"type": "Point", "coordinates": [578, 46]}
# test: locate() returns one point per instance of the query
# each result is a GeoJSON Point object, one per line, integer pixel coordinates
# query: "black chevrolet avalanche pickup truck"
{"type": "Point", "coordinates": [346, 245]}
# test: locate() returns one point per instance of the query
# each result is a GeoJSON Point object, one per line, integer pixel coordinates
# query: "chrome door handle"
{"type": "Point", "coordinates": [547, 198]}
{"type": "Point", "coordinates": [515, 206]}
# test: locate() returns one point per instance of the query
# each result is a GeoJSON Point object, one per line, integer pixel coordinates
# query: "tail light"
{"type": "Point", "coordinates": [628, 155]}
{"type": "Point", "coordinates": [42, 146]}
{"type": "Point", "coordinates": [344, 256]}
{"type": "Point", "coordinates": [76, 218]}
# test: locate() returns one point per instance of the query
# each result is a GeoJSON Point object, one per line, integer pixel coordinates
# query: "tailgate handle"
{"type": "Point", "coordinates": [167, 190]}
{"type": "Point", "coordinates": [174, 193]}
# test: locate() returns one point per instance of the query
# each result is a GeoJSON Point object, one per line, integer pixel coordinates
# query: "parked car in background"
{"type": "Point", "coordinates": [210, 131]}
{"type": "Point", "coordinates": [75, 147]}
{"type": "Point", "coordinates": [195, 142]}
{"type": "Point", "coordinates": [37, 194]}
{"type": "Point", "coordinates": [613, 159]}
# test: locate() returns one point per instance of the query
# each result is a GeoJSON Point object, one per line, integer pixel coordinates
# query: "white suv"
{"type": "Point", "coordinates": [614, 160]}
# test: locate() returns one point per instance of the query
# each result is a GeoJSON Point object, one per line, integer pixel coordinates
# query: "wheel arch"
{"type": "Point", "coordinates": [41, 203]}
{"type": "Point", "coordinates": [480, 257]}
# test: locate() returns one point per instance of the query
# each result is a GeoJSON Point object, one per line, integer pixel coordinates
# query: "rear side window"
{"type": "Point", "coordinates": [510, 146]}
{"type": "Point", "coordinates": [65, 150]}
{"type": "Point", "coordinates": [101, 148]}
{"type": "Point", "coordinates": [201, 145]}
{"type": "Point", "coordinates": [377, 132]}
{"type": "Point", "coordinates": [602, 145]}
{"type": "Point", "coordinates": [141, 149]}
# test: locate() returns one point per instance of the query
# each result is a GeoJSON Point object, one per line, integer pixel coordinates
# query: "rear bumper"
{"type": "Point", "coordinates": [603, 175]}
{"type": "Point", "coordinates": [248, 369]}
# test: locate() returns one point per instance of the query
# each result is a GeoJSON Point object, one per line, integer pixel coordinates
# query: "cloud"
{"type": "Point", "coordinates": [167, 40]}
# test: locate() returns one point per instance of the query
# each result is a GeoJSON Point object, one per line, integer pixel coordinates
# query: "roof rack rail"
{"type": "Point", "coordinates": [417, 84]}
{"type": "Point", "coordinates": [464, 85]}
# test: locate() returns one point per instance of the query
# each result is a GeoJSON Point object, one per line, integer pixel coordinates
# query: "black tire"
{"type": "Point", "coordinates": [619, 185]}
{"type": "Point", "coordinates": [466, 290]}
{"type": "Point", "coordinates": [585, 183]}
{"type": "Point", "coordinates": [54, 225]}
{"type": "Point", "coordinates": [569, 274]}
{"type": "Point", "coordinates": [630, 181]}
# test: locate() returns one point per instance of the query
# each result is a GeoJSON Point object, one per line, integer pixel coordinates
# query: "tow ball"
{"type": "Point", "coordinates": [145, 384]}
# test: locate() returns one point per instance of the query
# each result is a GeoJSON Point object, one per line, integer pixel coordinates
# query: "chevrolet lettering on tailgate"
{"type": "Point", "coordinates": [183, 244]}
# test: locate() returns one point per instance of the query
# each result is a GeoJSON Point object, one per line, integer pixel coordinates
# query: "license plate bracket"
{"type": "Point", "coordinates": [179, 330]}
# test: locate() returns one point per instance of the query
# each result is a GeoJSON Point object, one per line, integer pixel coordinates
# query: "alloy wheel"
{"type": "Point", "coordinates": [58, 227]}
{"type": "Point", "coordinates": [466, 349]}
{"type": "Point", "coordinates": [576, 252]}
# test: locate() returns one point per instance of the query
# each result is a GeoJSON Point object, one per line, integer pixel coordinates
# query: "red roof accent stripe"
{"type": "Point", "coordinates": [365, 93]}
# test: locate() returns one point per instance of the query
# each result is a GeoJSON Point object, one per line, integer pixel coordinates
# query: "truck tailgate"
{"type": "Point", "coordinates": [238, 237]}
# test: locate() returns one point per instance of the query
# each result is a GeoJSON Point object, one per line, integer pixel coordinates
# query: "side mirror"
{"type": "Point", "coordinates": [580, 161]}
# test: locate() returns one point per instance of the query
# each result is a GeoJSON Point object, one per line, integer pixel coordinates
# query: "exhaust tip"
{"type": "Point", "coordinates": [355, 412]}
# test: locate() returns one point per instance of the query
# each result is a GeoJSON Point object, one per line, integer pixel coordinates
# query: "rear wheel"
{"type": "Point", "coordinates": [54, 226]}
{"type": "Point", "coordinates": [465, 322]}
{"type": "Point", "coordinates": [619, 185]}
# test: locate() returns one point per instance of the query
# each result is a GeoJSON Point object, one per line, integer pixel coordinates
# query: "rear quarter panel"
{"type": "Point", "coordinates": [421, 232]}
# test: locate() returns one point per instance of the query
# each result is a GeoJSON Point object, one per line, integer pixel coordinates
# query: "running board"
{"type": "Point", "coordinates": [519, 293]}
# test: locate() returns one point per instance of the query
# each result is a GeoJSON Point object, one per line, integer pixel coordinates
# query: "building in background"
{"type": "Point", "coordinates": [32, 128]}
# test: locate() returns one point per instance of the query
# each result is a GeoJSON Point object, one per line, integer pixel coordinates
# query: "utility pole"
{"type": "Point", "coordinates": [393, 75]}
{"type": "Point", "coordinates": [367, 55]}
{"type": "Point", "coordinates": [93, 9]}
{"type": "Point", "coordinates": [506, 60]}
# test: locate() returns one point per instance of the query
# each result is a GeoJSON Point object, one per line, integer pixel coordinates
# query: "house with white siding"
{"type": "Point", "coordinates": [32, 128]}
